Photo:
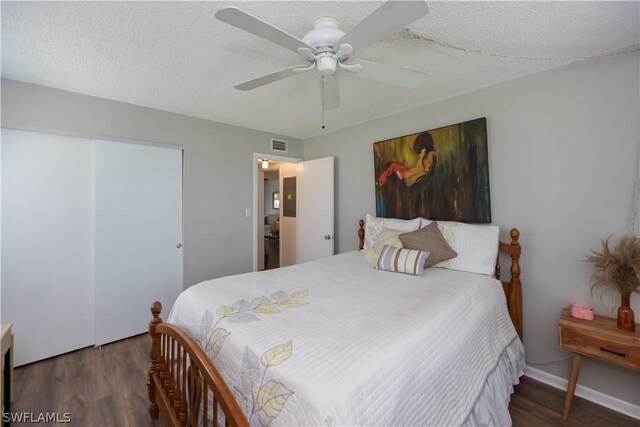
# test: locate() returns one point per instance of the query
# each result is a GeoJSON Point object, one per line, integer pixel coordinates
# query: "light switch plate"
{"type": "Point", "coordinates": [247, 213]}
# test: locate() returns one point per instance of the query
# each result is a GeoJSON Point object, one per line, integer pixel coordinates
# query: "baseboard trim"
{"type": "Point", "coordinates": [590, 394]}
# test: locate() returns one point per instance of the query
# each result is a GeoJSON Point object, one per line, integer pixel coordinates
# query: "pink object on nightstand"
{"type": "Point", "coordinates": [581, 310]}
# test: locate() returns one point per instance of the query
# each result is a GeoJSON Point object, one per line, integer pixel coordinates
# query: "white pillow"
{"type": "Point", "coordinates": [373, 226]}
{"type": "Point", "coordinates": [476, 245]}
{"type": "Point", "coordinates": [386, 237]}
{"type": "Point", "coordinates": [424, 222]}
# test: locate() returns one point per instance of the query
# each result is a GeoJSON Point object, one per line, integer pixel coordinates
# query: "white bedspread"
{"type": "Point", "coordinates": [335, 342]}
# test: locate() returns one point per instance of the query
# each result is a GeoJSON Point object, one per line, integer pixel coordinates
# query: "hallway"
{"type": "Point", "coordinates": [271, 253]}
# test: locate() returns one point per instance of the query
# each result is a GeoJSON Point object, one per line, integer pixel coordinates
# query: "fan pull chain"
{"type": "Point", "coordinates": [322, 96]}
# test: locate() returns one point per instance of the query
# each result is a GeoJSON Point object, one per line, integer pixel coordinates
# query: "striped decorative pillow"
{"type": "Point", "coordinates": [400, 260]}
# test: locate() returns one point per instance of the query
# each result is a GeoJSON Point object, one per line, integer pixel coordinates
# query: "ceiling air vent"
{"type": "Point", "coordinates": [278, 146]}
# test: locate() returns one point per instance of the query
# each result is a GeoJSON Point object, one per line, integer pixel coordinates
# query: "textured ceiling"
{"type": "Point", "coordinates": [176, 56]}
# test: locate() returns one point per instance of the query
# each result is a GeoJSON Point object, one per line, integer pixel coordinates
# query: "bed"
{"type": "Point", "coordinates": [335, 342]}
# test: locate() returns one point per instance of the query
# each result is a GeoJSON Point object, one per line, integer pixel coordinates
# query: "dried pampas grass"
{"type": "Point", "coordinates": [620, 269]}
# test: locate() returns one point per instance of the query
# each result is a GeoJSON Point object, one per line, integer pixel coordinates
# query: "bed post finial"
{"type": "Point", "coordinates": [515, 255]}
{"type": "Point", "coordinates": [154, 355]}
{"type": "Point", "coordinates": [361, 233]}
{"type": "Point", "coordinates": [515, 294]}
{"type": "Point", "coordinates": [156, 308]}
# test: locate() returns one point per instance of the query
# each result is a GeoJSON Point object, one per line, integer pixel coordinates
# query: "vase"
{"type": "Point", "coordinates": [625, 315]}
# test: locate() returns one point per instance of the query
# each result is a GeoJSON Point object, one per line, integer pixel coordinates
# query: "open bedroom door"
{"type": "Point", "coordinates": [315, 202]}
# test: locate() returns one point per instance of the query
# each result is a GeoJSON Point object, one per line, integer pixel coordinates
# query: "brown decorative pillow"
{"type": "Point", "coordinates": [431, 240]}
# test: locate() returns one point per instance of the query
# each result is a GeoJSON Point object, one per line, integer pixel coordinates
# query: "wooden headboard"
{"type": "Point", "coordinates": [512, 288]}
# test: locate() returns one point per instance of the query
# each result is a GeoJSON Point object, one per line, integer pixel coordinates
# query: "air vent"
{"type": "Point", "coordinates": [278, 146]}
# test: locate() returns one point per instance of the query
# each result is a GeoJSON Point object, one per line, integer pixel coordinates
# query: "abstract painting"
{"type": "Point", "coordinates": [440, 174]}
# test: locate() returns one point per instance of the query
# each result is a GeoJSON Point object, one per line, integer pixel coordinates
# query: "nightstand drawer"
{"type": "Point", "coordinates": [622, 352]}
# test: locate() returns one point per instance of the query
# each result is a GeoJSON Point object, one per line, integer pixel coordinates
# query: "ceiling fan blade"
{"type": "Point", "coordinates": [389, 74]}
{"type": "Point", "coordinates": [330, 93]}
{"type": "Point", "coordinates": [253, 25]}
{"type": "Point", "coordinates": [391, 16]}
{"type": "Point", "coordinates": [269, 78]}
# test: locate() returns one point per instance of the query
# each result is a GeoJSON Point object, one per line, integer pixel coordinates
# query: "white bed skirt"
{"type": "Point", "coordinates": [492, 406]}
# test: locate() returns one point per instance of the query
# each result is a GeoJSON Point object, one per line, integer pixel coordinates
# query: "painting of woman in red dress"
{"type": "Point", "coordinates": [440, 174]}
{"type": "Point", "coordinates": [423, 145]}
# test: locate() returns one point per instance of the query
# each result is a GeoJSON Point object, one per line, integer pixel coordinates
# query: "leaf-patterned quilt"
{"type": "Point", "coordinates": [335, 342]}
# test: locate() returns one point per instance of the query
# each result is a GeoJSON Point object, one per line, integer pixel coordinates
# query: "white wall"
{"type": "Point", "coordinates": [563, 159]}
{"type": "Point", "coordinates": [218, 164]}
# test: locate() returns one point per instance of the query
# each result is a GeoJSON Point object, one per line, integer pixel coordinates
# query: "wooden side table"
{"type": "Point", "coordinates": [599, 338]}
{"type": "Point", "coordinates": [6, 348]}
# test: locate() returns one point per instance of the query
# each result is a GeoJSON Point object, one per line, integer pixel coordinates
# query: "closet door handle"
{"type": "Point", "coordinates": [179, 245]}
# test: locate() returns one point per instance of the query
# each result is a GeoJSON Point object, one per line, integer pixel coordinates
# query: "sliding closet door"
{"type": "Point", "coordinates": [47, 243]}
{"type": "Point", "coordinates": [138, 255]}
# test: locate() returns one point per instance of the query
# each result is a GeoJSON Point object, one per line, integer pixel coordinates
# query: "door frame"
{"type": "Point", "coordinates": [257, 156]}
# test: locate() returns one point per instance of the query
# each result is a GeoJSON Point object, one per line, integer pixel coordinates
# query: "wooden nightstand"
{"type": "Point", "coordinates": [599, 338]}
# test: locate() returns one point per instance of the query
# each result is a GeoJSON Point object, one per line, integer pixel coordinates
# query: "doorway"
{"type": "Point", "coordinates": [271, 232]}
{"type": "Point", "coordinates": [305, 230]}
{"type": "Point", "coordinates": [274, 234]}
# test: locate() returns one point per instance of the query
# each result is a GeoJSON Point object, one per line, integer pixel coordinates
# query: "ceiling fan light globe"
{"type": "Point", "coordinates": [325, 33]}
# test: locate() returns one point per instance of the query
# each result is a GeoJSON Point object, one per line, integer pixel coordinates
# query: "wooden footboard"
{"type": "Point", "coordinates": [182, 382]}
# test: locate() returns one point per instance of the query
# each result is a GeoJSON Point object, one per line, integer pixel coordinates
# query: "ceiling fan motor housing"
{"type": "Point", "coordinates": [325, 33]}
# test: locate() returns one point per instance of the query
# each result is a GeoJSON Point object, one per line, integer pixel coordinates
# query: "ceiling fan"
{"type": "Point", "coordinates": [328, 49]}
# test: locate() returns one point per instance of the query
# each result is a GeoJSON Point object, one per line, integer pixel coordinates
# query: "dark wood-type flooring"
{"type": "Point", "coordinates": [106, 387]}
{"type": "Point", "coordinates": [272, 253]}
